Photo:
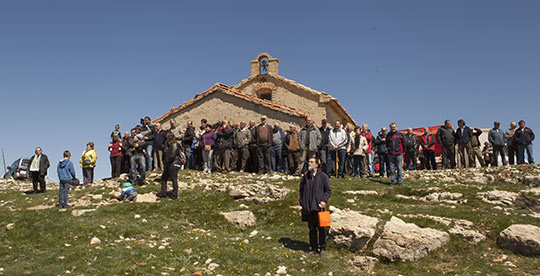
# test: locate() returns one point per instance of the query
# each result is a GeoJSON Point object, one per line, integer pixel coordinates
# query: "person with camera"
{"type": "Point", "coordinates": [88, 163]}
{"type": "Point", "coordinates": [66, 174]}
{"type": "Point", "coordinates": [171, 164]}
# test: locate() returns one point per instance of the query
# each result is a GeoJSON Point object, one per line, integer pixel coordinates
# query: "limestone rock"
{"type": "Point", "coordinates": [240, 219]}
{"type": "Point", "coordinates": [471, 235]}
{"type": "Point", "coordinates": [402, 241]}
{"type": "Point", "coordinates": [498, 197]}
{"type": "Point", "coordinates": [77, 213]}
{"type": "Point", "coordinates": [361, 192]}
{"type": "Point", "coordinates": [532, 180]}
{"type": "Point", "coordinates": [522, 239]}
{"type": "Point", "coordinates": [444, 196]}
{"type": "Point", "coordinates": [351, 229]}
{"type": "Point", "coordinates": [95, 240]}
{"type": "Point", "coordinates": [363, 264]}
{"type": "Point", "coordinates": [148, 197]}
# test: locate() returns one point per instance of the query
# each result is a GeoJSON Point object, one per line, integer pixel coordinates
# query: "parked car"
{"type": "Point", "coordinates": [19, 169]}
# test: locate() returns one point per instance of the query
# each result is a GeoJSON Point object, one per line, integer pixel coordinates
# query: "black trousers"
{"type": "Point", "coordinates": [88, 175]}
{"type": "Point", "coordinates": [429, 160]}
{"type": "Point", "coordinates": [170, 172]}
{"type": "Point", "coordinates": [116, 166]}
{"type": "Point", "coordinates": [38, 178]}
{"type": "Point", "coordinates": [316, 243]}
{"type": "Point", "coordinates": [253, 160]}
{"type": "Point", "coordinates": [264, 159]}
{"type": "Point", "coordinates": [512, 154]}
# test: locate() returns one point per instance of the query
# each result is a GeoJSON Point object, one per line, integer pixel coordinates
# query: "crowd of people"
{"type": "Point", "coordinates": [262, 148]}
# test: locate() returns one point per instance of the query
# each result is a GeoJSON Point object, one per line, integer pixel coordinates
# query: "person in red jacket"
{"type": "Point", "coordinates": [115, 147]}
{"type": "Point", "coordinates": [427, 141]}
{"type": "Point", "coordinates": [395, 147]}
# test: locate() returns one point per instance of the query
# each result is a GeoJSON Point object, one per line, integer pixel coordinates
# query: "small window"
{"type": "Point", "coordinates": [266, 96]}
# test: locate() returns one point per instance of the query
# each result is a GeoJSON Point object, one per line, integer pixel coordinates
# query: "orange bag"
{"type": "Point", "coordinates": [324, 218]}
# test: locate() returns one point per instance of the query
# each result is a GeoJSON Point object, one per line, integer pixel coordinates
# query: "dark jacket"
{"type": "Point", "coordinates": [43, 164]}
{"type": "Point", "coordinates": [313, 190]}
{"type": "Point", "coordinates": [171, 155]}
{"type": "Point", "coordinates": [65, 170]}
{"type": "Point", "coordinates": [325, 136]}
{"type": "Point", "coordinates": [253, 141]}
{"type": "Point", "coordinates": [159, 140]}
{"type": "Point", "coordinates": [226, 137]}
{"type": "Point", "coordinates": [524, 136]}
{"type": "Point", "coordinates": [189, 135]}
{"type": "Point", "coordinates": [464, 136]}
{"type": "Point", "coordinates": [446, 136]}
{"type": "Point", "coordinates": [395, 143]}
{"type": "Point", "coordinates": [380, 143]}
{"type": "Point", "coordinates": [411, 142]}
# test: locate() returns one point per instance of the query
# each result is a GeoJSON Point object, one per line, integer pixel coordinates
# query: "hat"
{"type": "Point", "coordinates": [126, 185]}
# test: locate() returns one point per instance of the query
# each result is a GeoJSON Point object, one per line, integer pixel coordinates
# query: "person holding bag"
{"type": "Point", "coordinates": [171, 164]}
{"type": "Point", "coordinates": [314, 194]}
{"type": "Point", "coordinates": [88, 163]}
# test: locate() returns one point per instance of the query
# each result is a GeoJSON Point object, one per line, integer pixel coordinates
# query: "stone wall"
{"type": "Point", "coordinates": [218, 106]}
{"type": "Point", "coordinates": [287, 95]}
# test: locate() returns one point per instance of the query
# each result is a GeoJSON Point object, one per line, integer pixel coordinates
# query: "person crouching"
{"type": "Point", "coordinates": [129, 194]}
{"type": "Point", "coordinates": [314, 194]}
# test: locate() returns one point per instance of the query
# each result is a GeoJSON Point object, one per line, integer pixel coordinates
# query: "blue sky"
{"type": "Point", "coordinates": [71, 70]}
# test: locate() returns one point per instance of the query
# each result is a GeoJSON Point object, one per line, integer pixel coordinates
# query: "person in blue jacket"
{"type": "Point", "coordinates": [66, 173]}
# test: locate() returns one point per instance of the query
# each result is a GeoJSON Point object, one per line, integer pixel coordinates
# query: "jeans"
{"type": "Point", "coordinates": [496, 151]}
{"type": "Point", "coordinates": [341, 153]}
{"type": "Point", "coordinates": [313, 225]}
{"type": "Point", "coordinates": [383, 164]}
{"type": "Point", "coordinates": [369, 162]}
{"type": "Point", "coordinates": [137, 163]}
{"type": "Point", "coordinates": [189, 158]}
{"type": "Point", "coordinates": [63, 192]}
{"type": "Point", "coordinates": [207, 160]}
{"type": "Point", "coordinates": [395, 162]}
{"type": "Point", "coordinates": [277, 159]}
{"type": "Point", "coordinates": [521, 154]}
{"type": "Point", "coordinates": [149, 160]}
{"type": "Point", "coordinates": [358, 165]}
{"type": "Point", "coordinates": [88, 175]}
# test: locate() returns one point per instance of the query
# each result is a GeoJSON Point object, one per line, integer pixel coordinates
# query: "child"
{"type": "Point", "coordinates": [128, 193]}
{"type": "Point", "coordinates": [66, 173]}
{"type": "Point", "coordinates": [116, 133]}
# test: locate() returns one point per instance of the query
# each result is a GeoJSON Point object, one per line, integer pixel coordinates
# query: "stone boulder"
{"type": "Point", "coordinates": [240, 219]}
{"type": "Point", "coordinates": [521, 239]}
{"type": "Point", "coordinates": [351, 229]}
{"type": "Point", "coordinates": [444, 196]}
{"type": "Point", "coordinates": [498, 197]}
{"type": "Point", "coordinates": [532, 180]}
{"type": "Point", "coordinates": [401, 241]}
{"type": "Point", "coordinates": [363, 264]}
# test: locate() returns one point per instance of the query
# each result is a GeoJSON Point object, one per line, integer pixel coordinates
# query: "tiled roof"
{"type": "Point", "coordinates": [300, 86]}
{"type": "Point", "coordinates": [225, 89]}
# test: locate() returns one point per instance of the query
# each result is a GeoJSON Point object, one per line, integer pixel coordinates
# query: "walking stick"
{"type": "Point", "coordinates": [337, 164]}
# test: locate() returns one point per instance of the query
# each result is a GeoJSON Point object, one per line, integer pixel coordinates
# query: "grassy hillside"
{"type": "Point", "coordinates": [188, 235]}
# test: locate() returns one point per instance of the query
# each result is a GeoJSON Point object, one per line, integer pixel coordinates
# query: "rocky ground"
{"type": "Point", "coordinates": [469, 221]}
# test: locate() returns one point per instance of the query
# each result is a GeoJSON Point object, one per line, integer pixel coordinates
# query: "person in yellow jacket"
{"type": "Point", "coordinates": [88, 163]}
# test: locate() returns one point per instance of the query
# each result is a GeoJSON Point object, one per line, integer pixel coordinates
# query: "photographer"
{"type": "Point", "coordinates": [148, 131]}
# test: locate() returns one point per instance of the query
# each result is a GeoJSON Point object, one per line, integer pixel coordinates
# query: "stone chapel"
{"type": "Point", "coordinates": [264, 93]}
